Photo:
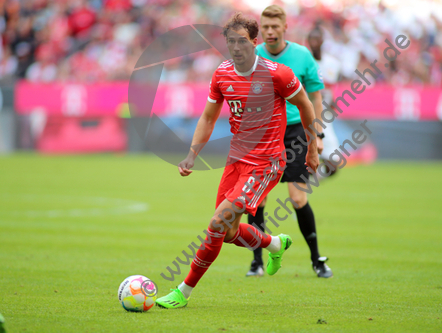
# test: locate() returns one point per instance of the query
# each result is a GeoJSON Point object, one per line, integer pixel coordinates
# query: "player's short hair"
{"type": "Point", "coordinates": [238, 21]}
{"type": "Point", "coordinates": [274, 11]}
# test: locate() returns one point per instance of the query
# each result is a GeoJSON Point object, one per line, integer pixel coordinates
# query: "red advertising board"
{"type": "Point", "coordinates": [72, 99]}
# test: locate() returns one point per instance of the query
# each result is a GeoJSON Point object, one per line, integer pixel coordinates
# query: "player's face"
{"type": "Point", "coordinates": [272, 30]}
{"type": "Point", "coordinates": [241, 48]}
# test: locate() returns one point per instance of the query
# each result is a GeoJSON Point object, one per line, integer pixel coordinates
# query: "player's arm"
{"type": "Point", "coordinates": [202, 134]}
{"type": "Point", "coordinates": [316, 99]}
{"type": "Point", "coordinates": [307, 116]}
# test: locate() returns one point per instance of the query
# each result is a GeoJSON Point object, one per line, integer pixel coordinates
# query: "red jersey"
{"type": "Point", "coordinates": [257, 103]}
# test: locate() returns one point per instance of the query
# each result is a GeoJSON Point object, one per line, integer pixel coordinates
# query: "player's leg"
{"type": "Point", "coordinates": [227, 219]}
{"type": "Point", "coordinates": [252, 238]}
{"type": "Point", "coordinates": [224, 226]}
{"type": "Point", "coordinates": [306, 218]}
{"type": "Point", "coordinates": [260, 180]}
{"type": "Point", "coordinates": [209, 249]}
{"type": "Point", "coordinates": [307, 225]}
{"type": "Point", "coordinates": [257, 266]}
{"type": "Point", "coordinates": [296, 172]}
{"type": "Point", "coordinates": [221, 224]}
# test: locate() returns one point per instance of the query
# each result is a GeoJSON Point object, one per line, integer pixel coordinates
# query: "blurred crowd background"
{"type": "Point", "coordinates": [101, 40]}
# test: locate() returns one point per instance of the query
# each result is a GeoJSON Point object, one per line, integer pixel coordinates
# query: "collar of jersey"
{"type": "Point", "coordinates": [250, 71]}
{"type": "Point", "coordinates": [278, 55]}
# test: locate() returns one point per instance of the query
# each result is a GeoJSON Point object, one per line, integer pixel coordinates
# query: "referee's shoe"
{"type": "Point", "coordinates": [321, 269]}
{"type": "Point", "coordinates": [256, 269]}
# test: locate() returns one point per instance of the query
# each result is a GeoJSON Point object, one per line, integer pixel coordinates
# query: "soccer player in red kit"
{"type": "Point", "coordinates": [255, 90]}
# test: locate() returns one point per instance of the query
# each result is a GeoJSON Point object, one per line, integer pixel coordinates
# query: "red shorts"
{"type": "Point", "coordinates": [242, 182]}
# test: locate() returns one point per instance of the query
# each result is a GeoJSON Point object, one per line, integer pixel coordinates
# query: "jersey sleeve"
{"type": "Point", "coordinates": [215, 95]}
{"type": "Point", "coordinates": [313, 77]}
{"type": "Point", "coordinates": [287, 84]}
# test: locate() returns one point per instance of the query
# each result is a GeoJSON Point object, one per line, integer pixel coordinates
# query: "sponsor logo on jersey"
{"type": "Point", "coordinates": [230, 88]}
{"type": "Point", "coordinates": [235, 107]}
{"type": "Point", "coordinates": [293, 83]}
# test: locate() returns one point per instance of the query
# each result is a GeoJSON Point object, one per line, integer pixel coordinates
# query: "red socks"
{"type": "Point", "coordinates": [205, 255]}
{"type": "Point", "coordinates": [246, 236]}
{"type": "Point", "coordinates": [249, 236]}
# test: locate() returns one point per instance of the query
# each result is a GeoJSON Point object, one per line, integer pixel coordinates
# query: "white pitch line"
{"type": "Point", "coordinates": [118, 206]}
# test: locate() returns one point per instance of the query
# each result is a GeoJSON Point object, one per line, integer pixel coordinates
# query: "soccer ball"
{"type": "Point", "coordinates": [137, 293]}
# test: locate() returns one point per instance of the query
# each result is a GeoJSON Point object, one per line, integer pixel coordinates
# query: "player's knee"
{"type": "Point", "coordinates": [217, 225]}
{"type": "Point", "coordinates": [300, 199]}
{"type": "Point", "coordinates": [222, 222]}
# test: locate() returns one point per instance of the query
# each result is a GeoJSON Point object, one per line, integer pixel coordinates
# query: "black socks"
{"type": "Point", "coordinates": [306, 221]}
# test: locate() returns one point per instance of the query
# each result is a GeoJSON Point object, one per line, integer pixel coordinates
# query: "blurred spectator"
{"type": "Point", "coordinates": [99, 40]}
{"type": "Point", "coordinates": [44, 69]}
{"type": "Point", "coordinates": [81, 19]}
{"type": "Point", "coordinates": [22, 42]}
{"type": "Point", "coordinates": [8, 63]}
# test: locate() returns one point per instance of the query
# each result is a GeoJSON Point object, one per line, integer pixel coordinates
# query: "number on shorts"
{"type": "Point", "coordinates": [249, 184]}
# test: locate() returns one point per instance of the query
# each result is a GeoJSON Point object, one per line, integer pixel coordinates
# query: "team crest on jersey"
{"type": "Point", "coordinates": [257, 87]}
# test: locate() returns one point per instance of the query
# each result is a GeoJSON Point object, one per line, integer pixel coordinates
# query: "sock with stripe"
{"type": "Point", "coordinates": [258, 220]}
{"type": "Point", "coordinates": [249, 236]}
{"type": "Point", "coordinates": [205, 255]}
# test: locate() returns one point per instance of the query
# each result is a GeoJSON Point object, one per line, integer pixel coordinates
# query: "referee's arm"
{"type": "Point", "coordinates": [306, 112]}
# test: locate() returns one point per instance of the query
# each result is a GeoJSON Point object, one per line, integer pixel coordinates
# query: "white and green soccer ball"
{"type": "Point", "coordinates": [137, 293]}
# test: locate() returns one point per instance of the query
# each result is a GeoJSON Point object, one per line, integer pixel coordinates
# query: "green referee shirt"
{"type": "Point", "coordinates": [302, 63]}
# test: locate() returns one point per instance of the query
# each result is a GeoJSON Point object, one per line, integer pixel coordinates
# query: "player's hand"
{"type": "Point", "coordinates": [312, 159]}
{"type": "Point", "coordinates": [320, 145]}
{"type": "Point", "coordinates": [185, 165]}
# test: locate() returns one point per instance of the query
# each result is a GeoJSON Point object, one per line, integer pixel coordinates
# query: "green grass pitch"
{"type": "Point", "coordinates": [72, 228]}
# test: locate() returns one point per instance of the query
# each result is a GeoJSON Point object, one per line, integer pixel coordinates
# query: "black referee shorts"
{"type": "Point", "coordinates": [297, 168]}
